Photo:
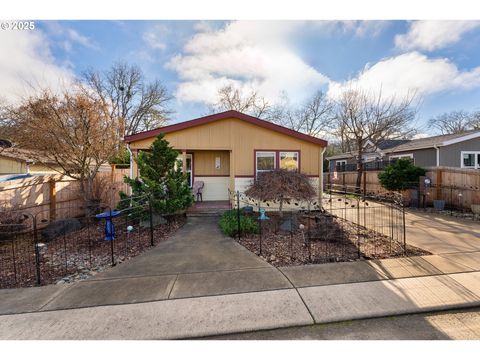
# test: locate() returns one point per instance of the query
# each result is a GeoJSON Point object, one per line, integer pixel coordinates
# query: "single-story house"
{"type": "Point", "coordinates": [347, 161]}
{"type": "Point", "coordinates": [15, 160]}
{"type": "Point", "coordinates": [228, 150]}
{"type": "Point", "coordinates": [21, 161]}
{"type": "Point", "coordinates": [451, 150]}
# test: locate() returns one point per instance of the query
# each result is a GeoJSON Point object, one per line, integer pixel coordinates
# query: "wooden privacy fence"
{"type": "Point", "coordinates": [57, 195]}
{"type": "Point", "coordinates": [460, 188]}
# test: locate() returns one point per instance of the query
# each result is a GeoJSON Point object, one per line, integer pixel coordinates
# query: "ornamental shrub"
{"type": "Point", "coordinates": [229, 223]}
{"type": "Point", "coordinates": [161, 180]}
{"type": "Point", "coordinates": [400, 175]}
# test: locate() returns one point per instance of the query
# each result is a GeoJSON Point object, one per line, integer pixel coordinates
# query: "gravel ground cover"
{"type": "Point", "coordinates": [320, 239]}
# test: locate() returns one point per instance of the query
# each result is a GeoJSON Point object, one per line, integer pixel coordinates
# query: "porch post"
{"type": "Point", "coordinates": [232, 176]}
{"type": "Point", "coordinates": [184, 161]}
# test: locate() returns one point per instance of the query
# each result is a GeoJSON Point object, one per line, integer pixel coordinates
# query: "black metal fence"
{"type": "Point", "coordinates": [367, 166]}
{"type": "Point", "coordinates": [344, 226]}
{"type": "Point", "coordinates": [38, 250]}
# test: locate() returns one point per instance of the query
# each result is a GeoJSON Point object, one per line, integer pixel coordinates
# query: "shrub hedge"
{"type": "Point", "coordinates": [228, 223]}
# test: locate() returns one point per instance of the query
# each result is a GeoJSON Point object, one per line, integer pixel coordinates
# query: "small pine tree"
{"type": "Point", "coordinates": [400, 175]}
{"type": "Point", "coordinates": [161, 180]}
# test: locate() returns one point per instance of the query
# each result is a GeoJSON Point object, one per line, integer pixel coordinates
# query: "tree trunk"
{"type": "Point", "coordinates": [91, 205]}
{"type": "Point", "coordinates": [358, 183]}
{"type": "Point", "coordinates": [280, 209]}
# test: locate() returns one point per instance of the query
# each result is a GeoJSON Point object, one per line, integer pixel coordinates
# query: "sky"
{"type": "Point", "coordinates": [439, 61]}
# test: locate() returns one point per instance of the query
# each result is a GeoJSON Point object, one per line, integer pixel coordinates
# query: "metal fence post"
{"type": "Point", "coordinates": [37, 252]}
{"type": "Point", "coordinates": [111, 250]}
{"type": "Point", "coordinates": [238, 216]}
{"type": "Point", "coordinates": [260, 229]}
{"type": "Point", "coordinates": [291, 234]}
{"type": "Point", "coordinates": [358, 226]}
{"type": "Point", "coordinates": [150, 210]}
{"type": "Point", "coordinates": [111, 242]}
{"type": "Point", "coordinates": [404, 230]}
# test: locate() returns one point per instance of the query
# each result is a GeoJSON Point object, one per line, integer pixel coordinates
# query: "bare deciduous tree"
{"type": "Point", "coordinates": [231, 98]}
{"type": "Point", "coordinates": [363, 116]}
{"type": "Point", "coordinates": [140, 105]}
{"type": "Point", "coordinates": [73, 130]}
{"type": "Point", "coordinates": [455, 122]}
{"type": "Point", "coordinates": [314, 117]}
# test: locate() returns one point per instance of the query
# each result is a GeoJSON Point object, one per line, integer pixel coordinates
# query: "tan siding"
{"type": "Point", "coordinates": [9, 166]}
{"type": "Point", "coordinates": [242, 138]}
{"type": "Point", "coordinates": [204, 163]}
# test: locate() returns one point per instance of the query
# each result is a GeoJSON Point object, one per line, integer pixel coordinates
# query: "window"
{"type": "Point", "coordinates": [401, 156]}
{"type": "Point", "coordinates": [289, 160]}
{"type": "Point", "coordinates": [268, 160]}
{"type": "Point", "coordinates": [470, 159]}
{"type": "Point", "coordinates": [265, 161]}
{"type": "Point", "coordinates": [340, 165]}
{"type": "Point", "coordinates": [369, 158]}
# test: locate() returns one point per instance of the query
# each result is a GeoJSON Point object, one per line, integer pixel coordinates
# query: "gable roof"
{"type": "Point", "coordinates": [382, 145]}
{"type": "Point", "coordinates": [390, 143]}
{"type": "Point", "coordinates": [25, 155]}
{"type": "Point", "coordinates": [221, 116]}
{"type": "Point", "coordinates": [432, 141]}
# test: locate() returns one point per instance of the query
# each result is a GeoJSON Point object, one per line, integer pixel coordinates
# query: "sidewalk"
{"type": "Point", "coordinates": [403, 286]}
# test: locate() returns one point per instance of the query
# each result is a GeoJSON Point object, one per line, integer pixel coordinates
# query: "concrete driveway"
{"type": "Point", "coordinates": [442, 234]}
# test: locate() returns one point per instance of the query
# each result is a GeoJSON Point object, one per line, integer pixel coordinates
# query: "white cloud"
{"type": "Point", "coordinates": [67, 37]}
{"type": "Point", "coordinates": [430, 35]}
{"type": "Point", "coordinates": [362, 28]}
{"type": "Point", "coordinates": [156, 37]}
{"type": "Point", "coordinates": [410, 72]}
{"type": "Point", "coordinates": [26, 64]}
{"type": "Point", "coordinates": [251, 54]}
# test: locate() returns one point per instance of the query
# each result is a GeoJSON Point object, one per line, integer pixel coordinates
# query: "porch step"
{"type": "Point", "coordinates": [206, 213]}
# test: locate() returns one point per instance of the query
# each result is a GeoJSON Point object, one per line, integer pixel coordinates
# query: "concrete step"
{"type": "Point", "coordinates": [205, 213]}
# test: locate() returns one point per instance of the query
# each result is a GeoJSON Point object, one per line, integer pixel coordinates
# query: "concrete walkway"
{"type": "Point", "coordinates": [442, 234]}
{"type": "Point", "coordinates": [198, 260]}
{"type": "Point", "coordinates": [200, 283]}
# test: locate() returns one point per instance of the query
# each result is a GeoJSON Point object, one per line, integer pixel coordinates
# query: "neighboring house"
{"type": "Point", "coordinates": [452, 150]}
{"type": "Point", "coordinates": [20, 161]}
{"type": "Point", "coordinates": [228, 150]}
{"type": "Point", "coordinates": [348, 161]}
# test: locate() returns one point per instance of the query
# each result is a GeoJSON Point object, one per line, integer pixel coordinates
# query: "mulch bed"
{"type": "Point", "coordinates": [331, 240]}
{"type": "Point", "coordinates": [76, 255]}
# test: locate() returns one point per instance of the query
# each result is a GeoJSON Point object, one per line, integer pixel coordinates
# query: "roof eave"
{"type": "Point", "coordinates": [220, 116]}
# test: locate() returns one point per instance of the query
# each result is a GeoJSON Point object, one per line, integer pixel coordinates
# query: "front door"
{"type": "Point", "coordinates": [189, 168]}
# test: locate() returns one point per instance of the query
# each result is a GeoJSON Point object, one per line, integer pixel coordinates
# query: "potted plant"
{"type": "Point", "coordinates": [439, 204]}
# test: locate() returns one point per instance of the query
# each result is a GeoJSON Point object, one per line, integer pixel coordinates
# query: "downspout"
{"type": "Point", "coordinates": [435, 146]}
{"type": "Point", "coordinates": [320, 179]}
{"type": "Point", "coordinates": [131, 161]}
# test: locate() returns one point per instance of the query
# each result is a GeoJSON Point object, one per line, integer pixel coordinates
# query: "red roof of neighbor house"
{"type": "Point", "coordinates": [221, 116]}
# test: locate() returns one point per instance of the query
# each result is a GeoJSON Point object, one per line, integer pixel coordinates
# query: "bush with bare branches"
{"type": "Point", "coordinates": [281, 186]}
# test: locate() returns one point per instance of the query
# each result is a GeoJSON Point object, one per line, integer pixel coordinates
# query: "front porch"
{"type": "Point", "coordinates": [212, 168]}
